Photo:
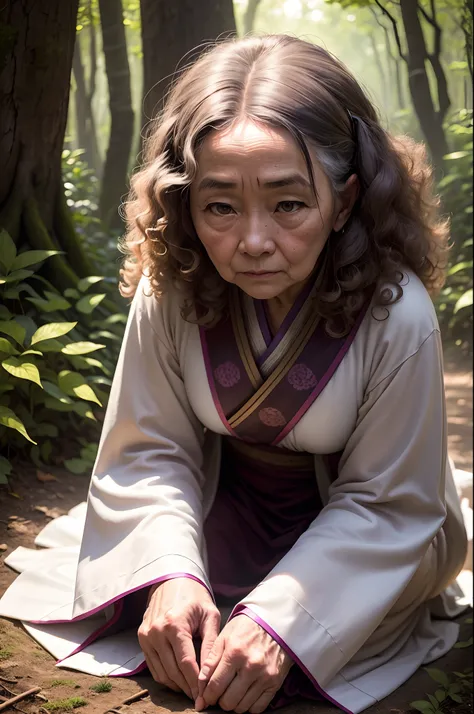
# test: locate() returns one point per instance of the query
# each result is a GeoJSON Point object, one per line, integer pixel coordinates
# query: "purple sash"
{"type": "Point", "coordinates": [264, 408]}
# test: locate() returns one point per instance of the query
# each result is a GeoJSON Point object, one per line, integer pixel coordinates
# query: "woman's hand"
{"type": "Point", "coordinates": [244, 670]}
{"type": "Point", "coordinates": [177, 610]}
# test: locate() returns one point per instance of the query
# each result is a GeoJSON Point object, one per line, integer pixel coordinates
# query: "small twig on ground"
{"type": "Point", "coordinates": [9, 681]}
{"type": "Point", "coordinates": [139, 695]}
{"type": "Point", "coordinates": [135, 697]}
{"type": "Point", "coordinates": [19, 697]}
{"type": "Point", "coordinates": [17, 709]}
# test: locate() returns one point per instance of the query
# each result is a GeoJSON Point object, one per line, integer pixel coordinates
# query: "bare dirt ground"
{"type": "Point", "coordinates": [23, 665]}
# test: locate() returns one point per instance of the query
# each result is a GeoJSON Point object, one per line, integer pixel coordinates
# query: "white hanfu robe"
{"type": "Point", "coordinates": [364, 596]}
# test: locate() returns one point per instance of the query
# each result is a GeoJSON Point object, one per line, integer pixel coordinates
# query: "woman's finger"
{"type": "Point", "coordinates": [209, 664]}
{"type": "Point", "coordinates": [209, 632]}
{"type": "Point", "coordinates": [262, 702]}
{"type": "Point", "coordinates": [242, 689]}
{"type": "Point", "coordinates": [185, 657]}
{"type": "Point", "coordinates": [157, 671]}
{"type": "Point", "coordinates": [218, 682]}
{"type": "Point", "coordinates": [171, 668]}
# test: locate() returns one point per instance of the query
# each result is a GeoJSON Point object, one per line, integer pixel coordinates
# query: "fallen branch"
{"type": "Point", "coordinates": [135, 697]}
{"type": "Point", "coordinates": [19, 697]}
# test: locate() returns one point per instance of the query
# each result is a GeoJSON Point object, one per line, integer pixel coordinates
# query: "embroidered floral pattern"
{"type": "Point", "coordinates": [301, 377]}
{"type": "Point", "coordinates": [227, 374]}
{"type": "Point", "coordinates": [271, 417]}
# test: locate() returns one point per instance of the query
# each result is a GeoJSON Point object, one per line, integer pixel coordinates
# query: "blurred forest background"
{"type": "Point", "coordinates": [78, 86]}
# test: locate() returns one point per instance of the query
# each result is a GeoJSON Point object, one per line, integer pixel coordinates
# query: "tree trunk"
{"type": "Point", "coordinates": [85, 124]}
{"type": "Point", "coordinates": [34, 93]}
{"type": "Point", "coordinates": [250, 14]}
{"type": "Point", "coordinates": [384, 85]}
{"type": "Point", "coordinates": [114, 179]}
{"type": "Point", "coordinates": [170, 30]}
{"type": "Point", "coordinates": [430, 120]}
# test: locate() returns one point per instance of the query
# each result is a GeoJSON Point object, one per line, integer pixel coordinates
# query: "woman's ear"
{"type": "Point", "coordinates": [347, 198]}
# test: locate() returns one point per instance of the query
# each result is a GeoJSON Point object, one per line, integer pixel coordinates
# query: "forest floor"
{"type": "Point", "coordinates": [23, 664]}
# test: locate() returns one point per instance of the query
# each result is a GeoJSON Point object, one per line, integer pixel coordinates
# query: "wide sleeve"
{"type": "Point", "coordinates": [144, 513]}
{"type": "Point", "coordinates": [346, 572]}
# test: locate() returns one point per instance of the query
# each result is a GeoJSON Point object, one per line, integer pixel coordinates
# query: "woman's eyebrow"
{"type": "Point", "coordinates": [210, 183]}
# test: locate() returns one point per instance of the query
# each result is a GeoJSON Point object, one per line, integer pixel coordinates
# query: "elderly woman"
{"type": "Point", "coordinates": [275, 439]}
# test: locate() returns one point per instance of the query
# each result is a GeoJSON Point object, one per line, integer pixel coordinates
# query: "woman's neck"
{"type": "Point", "coordinates": [277, 308]}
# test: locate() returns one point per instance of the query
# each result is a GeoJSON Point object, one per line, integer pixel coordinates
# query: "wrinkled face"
{"type": "Point", "coordinates": [254, 210]}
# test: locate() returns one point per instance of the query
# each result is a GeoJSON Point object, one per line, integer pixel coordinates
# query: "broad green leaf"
{"type": "Point", "coordinates": [88, 303]}
{"type": "Point", "coordinates": [11, 293]}
{"type": "Point", "coordinates": [81, 348]}
{"type": "Point", "coordinates": [52, 330]}
{"type": "Point", "coordinates": [92, 362]}
{"type": "Point", "coordinates": [22, 370]}
{"type": "Point", "coordinates": [47, 430]}
{"type": "Point", "coordinates": [72, 293]}
{"type": "Point", "coordinates": [85, 283]}
{"type": "Point", "coordinates": [422, 706]}
{"type": "Point", "coordinates": [54, 391]}
{"type": "Point", "coordinates": [76, 466]}
{"type": "Point", "coordinates": [440, 695]}
{"type": "Point", "coordinates": [7, 347]}
{"type": "Point", "coordinates": [106, 334]}
{"type": "Point", "coordinates": [52, 304]}
{"type": "Point", "coordinates": [13, 329]}
{"type": "Point", "coordinates": [5, 466]}
{"type": "Point", "coordinates": [438, 676]}
{"type": "Point", "coordinates": [29, 325]}
{"type": "Point", "coordinates": [463, 645]}
{"type": "Point", "coordinates": [5, 313]}
{"type": "Point", "coordinates": [16, 275]}
{"type": "Point", "coordinates": [32, 352]}
{"type": "Point", "coordinates": [74, 383]}
{"type": "Point", "coordinates": [7, 250]}
{"type": "Point", "coordinates": [464, 301]}
{"type": "Point", "coordinates": [465, 265]}
{"type": "Point", "coordinates": [56, 405]}
{"type": "Point", "coordinates": [31, 257]}
{"type": "Point", "coordinates": [10, 420]}
{"type": "Point", "coordinates": [456, 155]}
{"type": "Point", "coordinates": [50, 346]}
{"type": "Point", "coordinates": [456, 698]}
{"type": "Point", "coordinates": [84, 410]}
{"type": "Point", "coordinates": [46, 449]}
{"type": "Point", "coordinates": [35, 457]}
{"type": "Point", "coordinates": [118, 317]}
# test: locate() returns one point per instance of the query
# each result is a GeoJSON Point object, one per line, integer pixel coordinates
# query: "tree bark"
{"type": "Point", "coordinates": [250, 14]}
{"type": "Point", "coordinates": [170, 30]}
{"type": "Point", "coordinates": [430, 120]}
{"type": "Point", "coordinates": [85, 124]}
{"type": "Point", "coordinates": [34, 94]}
{"type": "Point", "coordinates": [114, 179]}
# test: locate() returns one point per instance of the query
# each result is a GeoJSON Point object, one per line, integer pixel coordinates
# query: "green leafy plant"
{"type": "Point", "coordinates": [52, 375]}
{"type": "Point", "coordinates": [452, 688]}
{"type": "Point", "coordinates": [454, 305]}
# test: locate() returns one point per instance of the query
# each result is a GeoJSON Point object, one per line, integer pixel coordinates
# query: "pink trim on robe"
{"type": "Point", "coordinates": [243, 610]}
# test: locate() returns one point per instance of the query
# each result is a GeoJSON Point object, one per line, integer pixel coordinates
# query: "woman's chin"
{"type": "Point", "coordinates": [260, 290]}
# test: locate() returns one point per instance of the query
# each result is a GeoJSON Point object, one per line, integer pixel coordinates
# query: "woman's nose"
{"type": "Point", "coordinates": [256, 237]}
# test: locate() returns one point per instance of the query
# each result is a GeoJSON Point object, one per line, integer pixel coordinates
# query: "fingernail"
{"type": "Point", "coordinates": [203, 673]}
{"type": "Point", "coordinates": [200, 704]}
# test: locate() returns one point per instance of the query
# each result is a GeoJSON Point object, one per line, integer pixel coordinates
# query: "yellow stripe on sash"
{"type": "Point", "coordinates": [243, 343]}
{"type": "Point", "coordinates": [278, 374]}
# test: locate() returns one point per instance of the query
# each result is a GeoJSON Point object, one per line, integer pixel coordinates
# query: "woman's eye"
{"type": "Point", "coordinates": [220, 209]}
{"type": "Point", "coordinates": [290, 206]}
